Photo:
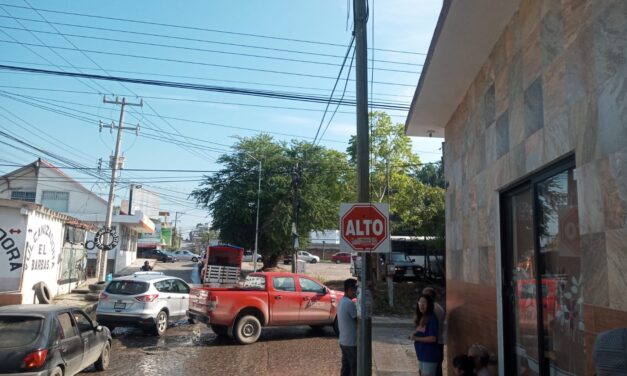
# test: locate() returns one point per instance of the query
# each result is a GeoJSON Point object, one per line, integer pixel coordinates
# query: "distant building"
{"type": "Point", "coordinates": [326, 237]}
{"type": "Point", "coordinates": [42, 252]}
{"type": "Point", "coordinates": [43, 183]}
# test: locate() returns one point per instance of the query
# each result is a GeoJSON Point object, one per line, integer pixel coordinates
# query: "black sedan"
{"type": "Point", "coordinates": [50, 340]}
{"type": "Point", "coordinates": [157, 254]}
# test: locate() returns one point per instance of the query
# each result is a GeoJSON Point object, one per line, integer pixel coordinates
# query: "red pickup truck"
{"type": "Point", "coordinates": [264, 299]}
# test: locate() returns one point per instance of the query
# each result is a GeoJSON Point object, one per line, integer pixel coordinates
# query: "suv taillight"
{"type": "Point", "coordinates": [212, 303]}
{"type": "Point", "coordinates": [147, 298]}
{"type": "Point", "coordinates": [34, 360]}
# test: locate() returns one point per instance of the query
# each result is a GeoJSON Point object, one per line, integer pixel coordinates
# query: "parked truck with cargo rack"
{"type": "Point", "coordinates": [264, 299]}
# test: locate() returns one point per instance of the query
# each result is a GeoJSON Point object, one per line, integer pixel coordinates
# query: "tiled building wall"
{"type": "Point", "coordinates": [554, 84]}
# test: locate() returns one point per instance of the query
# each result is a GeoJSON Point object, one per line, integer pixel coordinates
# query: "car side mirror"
{"type": "Point", "coordinates": [99, 328]}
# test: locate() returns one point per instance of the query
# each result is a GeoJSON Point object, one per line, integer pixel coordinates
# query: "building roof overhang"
{"type": "Point", "coordinates": [464, 36]}
{"type": "Point", "coordinates": [30, 207]}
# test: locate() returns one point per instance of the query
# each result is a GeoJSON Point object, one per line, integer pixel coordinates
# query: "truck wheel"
{"type": "Point", "coordinates": [247, 330]}
{"type": "Point", "coordinates": [220, 330]}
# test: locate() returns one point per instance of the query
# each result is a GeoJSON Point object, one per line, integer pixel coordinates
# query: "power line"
{"type": "Point", "coordinates": [350, 66]}
{"type": "Point", "coordinates": [220, 89]}
{"type": "Point", "coordinates": [205, 41]}
{"type": "Point", "coordinates": [124, 169]}
{"type": "Point", "coordinates": [272, 71]}
{"type": "Point", "coordinates": [121, 84]}
{"type": "Point", "coordinates": [204, 29]}
{"type": "Point", "coordinates": [145, 73]}
{"type": "Point", "coordinates": [202, 50]}
{"type": "Point", "coordinates": [341, 98]}
{"type": "Point", "coordinates": [91, 121]}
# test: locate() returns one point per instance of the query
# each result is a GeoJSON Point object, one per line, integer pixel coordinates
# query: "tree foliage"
{"type": "Point", "coordinates": [231, 194]}
{"type": "Point", "coordinates": [413, 190]}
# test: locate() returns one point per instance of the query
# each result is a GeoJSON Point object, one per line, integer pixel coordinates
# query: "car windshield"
{"type": "Point", "coordinates": [127, 287]}
{"type": "Point", "coordinates": [399, 257]}
{"type": "Point", "coordinates": [18, 331]}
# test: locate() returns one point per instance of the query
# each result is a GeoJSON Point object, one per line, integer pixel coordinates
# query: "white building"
{"type": "Point", "coordinates": [43, 252]}
{"type": "Point", "coordinates": [42, 183]}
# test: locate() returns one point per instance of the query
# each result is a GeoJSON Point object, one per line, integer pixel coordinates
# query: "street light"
{"type": "Point", "coordinates": [258, 194]}
{"type": "Point", "coordinates": [257, 224]}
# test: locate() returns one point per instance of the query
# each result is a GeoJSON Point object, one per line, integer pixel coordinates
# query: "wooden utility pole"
{"type": "Point", "coordinates": [114, 164]}
{"type": "Point", "coordinates": [364, 348]}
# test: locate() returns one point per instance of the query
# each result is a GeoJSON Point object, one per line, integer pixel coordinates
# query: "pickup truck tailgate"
{"type": "Point", "coordinates": [198, 300]}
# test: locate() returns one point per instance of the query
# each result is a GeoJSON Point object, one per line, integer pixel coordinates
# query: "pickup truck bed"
{"type": "Point", "coordinates": [264, 299]}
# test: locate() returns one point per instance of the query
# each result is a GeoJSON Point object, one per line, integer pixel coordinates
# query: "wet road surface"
{"type": "Point", "coordinates": [188, 349]}
{"type": "Point", "coordinates": [195, 350]}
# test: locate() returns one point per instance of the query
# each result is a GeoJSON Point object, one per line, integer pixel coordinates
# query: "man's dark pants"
{"type": "Point", "coordinates": [349, 360]}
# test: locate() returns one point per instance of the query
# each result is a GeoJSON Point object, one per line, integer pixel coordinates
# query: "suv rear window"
{"type": "Point", "coordinates": [18, 331]}
{"type": "Point", "coordinates": [127, 287]}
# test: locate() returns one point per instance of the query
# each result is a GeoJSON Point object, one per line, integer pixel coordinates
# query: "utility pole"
{"type": "Point", "coordinates": [295, 208]}
{"type": "Point", "coordinates": [176, 220]}
{"type": "Point", "coordinates": [364, 348]}
{"type": "Point", "coordinates": [102, 254]}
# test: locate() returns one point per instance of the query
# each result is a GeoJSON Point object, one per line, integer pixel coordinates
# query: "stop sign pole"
{"type": "Point", "coordinates": [364, 349]}
{"type": "Point", "coordinates": [364, 227]}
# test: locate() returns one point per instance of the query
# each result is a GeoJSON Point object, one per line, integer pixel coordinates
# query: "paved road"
{"type": "Point", "coordinates": [195, 350]}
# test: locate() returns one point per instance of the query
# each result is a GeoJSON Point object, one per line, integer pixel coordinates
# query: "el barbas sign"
{"type": "Point", "coordinates": [364, 228]}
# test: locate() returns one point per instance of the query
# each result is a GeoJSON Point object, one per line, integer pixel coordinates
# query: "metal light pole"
{"type": "Point", "coordinates": [257, 224]}
{"type": "Point", "coordinates": [256, 251]}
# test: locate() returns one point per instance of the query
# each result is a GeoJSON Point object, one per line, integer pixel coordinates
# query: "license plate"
{"type": "Point", "coordinates": [119, 305]}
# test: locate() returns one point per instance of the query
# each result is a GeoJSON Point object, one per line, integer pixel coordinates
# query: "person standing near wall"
{"type": "Point", "coordinates": [426, 337]}
{"type": "Point", "coordinates": [440, 314]}
{"type": "Point", "coordinates": [347, 323]}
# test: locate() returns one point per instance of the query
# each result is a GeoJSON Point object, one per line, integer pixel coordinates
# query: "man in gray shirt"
{"type": "Point", "coordinates": [347, 323]}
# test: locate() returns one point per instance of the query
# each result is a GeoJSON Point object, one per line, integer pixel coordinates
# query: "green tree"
{"type": "Point", "coordinates": [231, 194]}
{"type": "Point", "coordinates": [398, 177]}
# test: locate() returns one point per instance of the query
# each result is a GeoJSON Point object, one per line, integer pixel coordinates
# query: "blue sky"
{"type": "Point", "coordinates": [184, 129]}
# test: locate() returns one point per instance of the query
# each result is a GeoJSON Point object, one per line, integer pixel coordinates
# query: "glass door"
{"type": "Point", "coordinates": [560, 277]}
{"type": "Point", "coordinates": [543, 286]}
{"type": "Point", "coordinates": [520, 295]}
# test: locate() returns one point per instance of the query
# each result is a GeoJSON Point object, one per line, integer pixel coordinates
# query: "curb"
{"type": "Point", "coordinates": [403, 325]}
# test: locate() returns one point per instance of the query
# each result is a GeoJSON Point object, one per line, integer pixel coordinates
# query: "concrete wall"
{"type": "Point", "coordinates": [555, 84]}
{"type": "Point", "coordinates": [38, 244]}
{"type": "Point", "coordinates": [13, 228]}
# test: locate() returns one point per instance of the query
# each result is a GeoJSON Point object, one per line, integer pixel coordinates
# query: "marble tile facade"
{"type": "Point", "coordinates": [554, 85]}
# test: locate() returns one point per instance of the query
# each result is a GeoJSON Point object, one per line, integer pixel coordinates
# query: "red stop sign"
{"type": "Point", "coordinates": [364, 227]}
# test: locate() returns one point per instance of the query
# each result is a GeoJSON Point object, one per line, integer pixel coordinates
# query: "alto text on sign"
{"type": "Point", "coordinates": [364, 227]}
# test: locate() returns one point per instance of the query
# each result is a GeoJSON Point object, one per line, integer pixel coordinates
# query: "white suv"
{"type": "Point", "coordinates": [145, 299]}
{"type": "Point", "coordinates": [308, 257]}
